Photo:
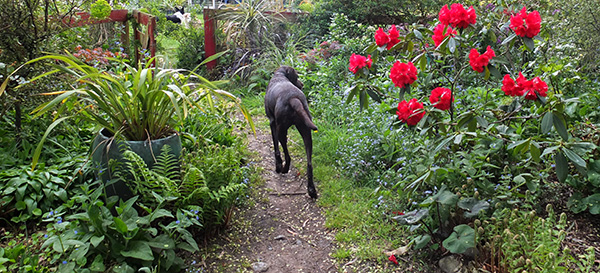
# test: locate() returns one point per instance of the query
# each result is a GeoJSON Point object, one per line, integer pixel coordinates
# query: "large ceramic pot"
{"type": "Point", "coordinates": [147, 150]}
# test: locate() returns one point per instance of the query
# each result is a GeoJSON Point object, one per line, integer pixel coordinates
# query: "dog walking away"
{"type": "Point", "coordinates": [286, 105]}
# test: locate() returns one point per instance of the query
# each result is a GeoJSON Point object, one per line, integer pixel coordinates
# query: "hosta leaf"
{"type": "Point", "coordinates": [593, 202]}
{"type": "Point", "coordinates": [411, 217]}
{"type": "Point", "coordinates": [422, 240]}
{"type": "Point", "coordinates": [138, 250]}
{"type": "Point", "coordinates": [460, 240]}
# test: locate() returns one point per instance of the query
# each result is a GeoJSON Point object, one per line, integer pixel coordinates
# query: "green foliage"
{"type": "Point", "coordinates": [190, 52]}
{"type": "Point", "coordinates": [101, 236]}
{"type": "Point", "coordinates": [100, 9]}
{"type": "Point", "coordinates": [18, 255]}
{"type": "Point", "coordinates": [521, 240]}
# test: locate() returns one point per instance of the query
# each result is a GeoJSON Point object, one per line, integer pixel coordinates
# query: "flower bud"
{"type": "Point", "coordinates": [566, 250]}
{"type": "Point", "coordinates": [480, 230]}
{"type": "Point", "coordinates": [551, 256]}
{"type": "Point", "coordinates": [477, 223]}
{"type": "Point", "coordinates": [464, 186]}
{"type": "Point", "coordinates": [458, 194]}
{"type": "Point", "coordinates": [528, 262]}
{"type": "Point", "coordinates": [476, 195]}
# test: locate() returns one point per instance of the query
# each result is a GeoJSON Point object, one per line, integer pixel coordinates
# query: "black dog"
{"type": "Point", "coordinates": [286, 105]}
{"type": "Point", "coordinates": [177, 17]}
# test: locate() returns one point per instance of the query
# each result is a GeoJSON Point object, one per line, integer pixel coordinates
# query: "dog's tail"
{"type": "Point", "coordinates": [302, 112]}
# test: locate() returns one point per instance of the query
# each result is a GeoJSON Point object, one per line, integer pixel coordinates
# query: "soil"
{"type": "Point", "coordinates": [283, 231]}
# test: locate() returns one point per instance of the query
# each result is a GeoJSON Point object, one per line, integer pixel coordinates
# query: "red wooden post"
{"type": "Point", "coordinates": [210, 46]}
{"type": "Point", "coordinates": [149, 21]}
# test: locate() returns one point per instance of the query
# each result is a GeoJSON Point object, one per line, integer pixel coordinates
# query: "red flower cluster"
{"type": "Point", "coordinates": [96, 55]}
{"type": "Point", "coordinates": [526, 24]}
{"type": "Point", "coordinates": [403, 74]}
{"type": "Point", "coordinates": [441, 98]}
{"type": "Point", "coordinates": [358, 61]}
{"type": "Point", "coordinates": [457, 16]}
{"type": "Point", "coordinates": [440, 32]}
{"type": "Point", "coordinates": [522, 86]}
{"type": "Point", "coordinates": [410, 112]}
{"type": "Point", "coordinates": [323, 52]}
{"type": "Point", "coordinates": [390, 39]}
{"type": "Point", "coordinates": [479, 62]}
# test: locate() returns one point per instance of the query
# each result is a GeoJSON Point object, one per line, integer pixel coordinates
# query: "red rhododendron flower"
{"type": "Point", "coordinates": [441, 98]}
{"type": "Point", "coordinates": [390, 39]}
{"type": "Point", "coordinates": [392, 258]}
{"type": "Point", "coordinates": [381, 38]}
{"type": "Point", "coordinates": [523, 86]}
{"type": "Point", "coordinates": [358, 62]}
{"type": "Point", "coordinates": [403, 74]}
{"type": "Point", "coordinates": [479, 62]}
{"type": "Point", "coordinates": [526, 24]}
{"type": "Point", "coordinates": [536, 86]}
{"type": "Point", "coordinates": [410, 112]}
{"type": "Point", "coordinates": [440, 32]}
{"type": "Point", "coordinates": [394, 36]}
{"type": "Point", "coordinates": [457, 16]}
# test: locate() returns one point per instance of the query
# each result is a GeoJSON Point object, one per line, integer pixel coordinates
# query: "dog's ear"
{"type": "Point", "coordinates": [292, 76]}
{"type": "Point", "coordinates": [182, 11]}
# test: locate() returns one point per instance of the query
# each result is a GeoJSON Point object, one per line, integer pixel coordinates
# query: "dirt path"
{"type": "Point", "coordinates": [281, 231]}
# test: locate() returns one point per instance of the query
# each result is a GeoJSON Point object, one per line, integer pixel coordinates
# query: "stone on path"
{"type": "Point", "coordinates": [260, 267]}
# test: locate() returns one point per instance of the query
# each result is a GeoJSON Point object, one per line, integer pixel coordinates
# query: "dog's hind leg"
{"type": "Point", "coordinates": [306, 134]}
{"type": "Point", "coordinates": [283, 140]}
{"type": "Point", "coordinates": [274, 134]}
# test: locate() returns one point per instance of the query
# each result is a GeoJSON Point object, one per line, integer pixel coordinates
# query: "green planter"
{"type": "Point", "coordinates": [101, 156]}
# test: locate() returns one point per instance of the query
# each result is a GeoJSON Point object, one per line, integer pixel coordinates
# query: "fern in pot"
{"type": "Point", "coordinates": [138, 106]}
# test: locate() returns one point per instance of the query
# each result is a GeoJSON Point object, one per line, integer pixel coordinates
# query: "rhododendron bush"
{"type": "Point", "coordinates": [516, 135]}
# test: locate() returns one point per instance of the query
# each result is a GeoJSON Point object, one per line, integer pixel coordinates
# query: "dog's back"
{"type": "Point", "coordinates": [284, 100]}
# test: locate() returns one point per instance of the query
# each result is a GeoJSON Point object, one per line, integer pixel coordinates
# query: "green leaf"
{"type": "Point", "coordinates": [120, 225]}
{"type": "Point", "coordinates": [38, 149]}
{"type": "Point", "coordinates": [472, 206]}
{"type": "Point", "coordinates": [535, 152]}
{"type": "Point", "coordinates": [411, 217]}
{"type": "Point", "coordinates": [482, 121]}
{"type": "Point", "coordinates": [559, 124]}
{"type": "Point", "coordinates": [418, 34]}
{"type": "Point", "coordinates": [95, 240]}
{"type": "Point", "coordinates": [452, 45]}
{"type": "Point", "coordinates": [421, 241]}
{"type": "Point", "coordinates": [509, 39]}
{"type": "Point", "coordinates": [547, 122]}
{"type": "Point", "coordinates": [351, 91]}
{"type": "Point", "coordinates": [576, 203]}
{"type": "Point", "coordinates": [138, 250]}
{"type": "Point", "coordinates": [561, 166]}
{"type": "Point", "coordinates": [443, 144]}
{"type": "Point", "coordinates": [593, 202]}
{"type": "Point", "coordinates": [460, 240]}
{"type": "Point", "coordinates": [487, 73]}
{"type": "Point", "coordinates": [98, 264]}
{"type": "Point", "coordinates": [529, 43]}
{"type": "Point", "coordinates": [576, 159]}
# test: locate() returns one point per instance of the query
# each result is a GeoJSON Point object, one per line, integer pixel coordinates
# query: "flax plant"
{"type": "Point", "coordinates": [133, 102]}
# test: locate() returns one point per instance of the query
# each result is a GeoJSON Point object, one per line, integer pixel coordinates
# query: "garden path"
{"type": "Point", "coordinates": [282, 230]}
